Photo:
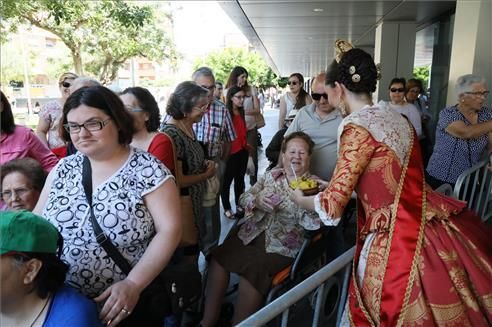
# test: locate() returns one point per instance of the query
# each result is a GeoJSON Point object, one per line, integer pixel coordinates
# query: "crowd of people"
{"type": "Point", "coordinates": [107, 194]}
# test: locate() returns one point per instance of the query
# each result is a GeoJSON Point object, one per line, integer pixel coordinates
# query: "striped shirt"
{"type": "Point", "coordinates": [215, 129]}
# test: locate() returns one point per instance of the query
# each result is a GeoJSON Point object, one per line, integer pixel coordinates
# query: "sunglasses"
{"type": "Point", "coordinates": [397, 90]}
{"type": "Point", "coordinates": [66, 85]}
{"type": "Point", "coordinates": [292, 83]}
{"type": "Point", "coordinates": [317, 96]}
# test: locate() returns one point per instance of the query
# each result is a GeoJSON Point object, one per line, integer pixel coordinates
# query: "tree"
{"type": "Point", "coordinates": [223, 61]}
{"type": "Point", "coordinates": [422, 73]}
{"type": "Point", "coordinates": [101, 35]}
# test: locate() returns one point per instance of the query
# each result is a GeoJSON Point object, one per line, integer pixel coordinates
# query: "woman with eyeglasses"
{"type": "Point", "coordinates": [49, 116]}
{"type": "Point", "coordinates": [17, 141]}
{"type": "Point", "coordinates": [463, 133]}
{"type": "Point", "coordinates": [134, 200]}
{"type": "Point", "coordinates": [295, 98]}
{"type": "Point", "coordinates": [238, 159]}
{"type": "Point", "coordinates": [399, 104]}
{"type": "Point", "coordinates": [186, 106]}
{"type": "Point", "coordinates": [142, 106]}
{"type": "Point", "coordinates": [239, 77]}
{"type": "Point", "coordinates": [22, 181]}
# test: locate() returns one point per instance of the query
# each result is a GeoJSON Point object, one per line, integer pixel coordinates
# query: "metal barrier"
{"type": "Point", "coordinates": [316, 281]}
{"type": "Point", "coordinates": [474, 185]}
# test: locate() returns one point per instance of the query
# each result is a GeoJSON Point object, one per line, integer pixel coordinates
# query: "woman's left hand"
{"type": "Point", "coordinates": [121, 298]}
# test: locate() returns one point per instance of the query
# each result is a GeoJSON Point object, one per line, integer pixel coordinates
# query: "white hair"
{"type": "Point", "coordinates": [465, 82]}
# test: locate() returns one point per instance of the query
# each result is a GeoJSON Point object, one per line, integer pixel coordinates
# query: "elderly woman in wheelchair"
{"type": "Point", "coordinates": [268, 238]}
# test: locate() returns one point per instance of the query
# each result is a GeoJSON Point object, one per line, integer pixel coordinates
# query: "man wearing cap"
{"type": "Point", "coordinates": [320, 121]}
{"type": "Point", "coordinates": [32, 275]}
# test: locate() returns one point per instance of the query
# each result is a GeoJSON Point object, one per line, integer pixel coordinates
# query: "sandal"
{"type": "Point", "coordinates": [229, 215]}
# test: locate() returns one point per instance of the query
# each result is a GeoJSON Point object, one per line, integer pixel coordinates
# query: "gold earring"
{"type": "Point", "coordinates": [341, 107]}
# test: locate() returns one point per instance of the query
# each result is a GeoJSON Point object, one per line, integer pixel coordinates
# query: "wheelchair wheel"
{"type": "Point", "coordinates": [329, 303]}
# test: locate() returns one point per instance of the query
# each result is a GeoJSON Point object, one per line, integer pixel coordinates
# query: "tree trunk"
{"type": "Point", "coordinates": [77, 61]}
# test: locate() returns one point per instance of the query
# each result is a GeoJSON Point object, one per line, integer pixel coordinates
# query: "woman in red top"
{"type": "Point", "coordinates": [237, 162]}
{"type": "Point", "coordinates": [146, 117]}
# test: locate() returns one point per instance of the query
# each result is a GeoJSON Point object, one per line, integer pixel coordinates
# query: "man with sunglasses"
{"type": "Point", "coordinates": [320, 121]}
{"type": "Point", "coordinates": [216, 132]}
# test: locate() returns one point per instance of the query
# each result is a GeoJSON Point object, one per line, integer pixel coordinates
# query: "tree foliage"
{"type": "Point", "coordinates": [423, 74]}
{"type": "Point", "coordinates": [223, 61]}
{"type": "Point", "coordinates": [101, 35]}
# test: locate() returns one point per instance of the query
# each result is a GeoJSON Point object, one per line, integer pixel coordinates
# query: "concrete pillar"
{"type": "Point", "coordinates": [471, 50]}
{"type": "Point", "coordinates": [395, 51]}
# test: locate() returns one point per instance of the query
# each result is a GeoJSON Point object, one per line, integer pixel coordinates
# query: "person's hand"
{"type": "Point", "coordinates": [266, 204]}
{"type": "Point", "coordinates": [210, 169]}
{"type": "Point", "coordinates": [121, 298]}
{"type": "Point", "coordinates": [296, 195]}
{"type": "Point", "coordinates": [322, 184]}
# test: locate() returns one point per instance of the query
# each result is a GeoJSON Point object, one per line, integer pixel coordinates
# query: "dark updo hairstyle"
{"type": "Point", "coordinates": [301, 97]}
{"type": "Point", "coordinates": [398, 80]}
{"type": "Point", "coordinates": [7, 117]}
{"type": "Point", "coordinates": [28, 167]}
{"type": "Point", "coordinates": [184, 98]}
{"type": "Point", "coordinates": [107, 101]}
{"type": "Point", "coordinates": [147, 103]}
{"type": "Point", "coordinates": [230, 94]}
{"type": "Point", "coordinates": [363, 66]}
{"type": "Point", "coordinates": [298, 135]}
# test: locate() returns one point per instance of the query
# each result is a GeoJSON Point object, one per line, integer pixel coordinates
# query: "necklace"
{"type": "Point", "coordinates": [188, 131]}
{"type": "Point", "coordinates": [40, 312]}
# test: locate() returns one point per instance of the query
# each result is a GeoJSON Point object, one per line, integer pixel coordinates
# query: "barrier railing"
{"type": "Point", "coordinates": [316, 281]}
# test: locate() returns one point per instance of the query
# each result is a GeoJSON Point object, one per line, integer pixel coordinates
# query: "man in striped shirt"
{"type": "Point", "coordinates": [216, 132]}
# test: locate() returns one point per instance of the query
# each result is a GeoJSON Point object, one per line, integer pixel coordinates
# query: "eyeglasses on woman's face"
{"type": "Point", "coordinates": [133, 109]}
{"type": "Point", "coordinates": [18, 191]}
{"type": "Point", "coordinates": [292, 82]}
{"type": "Point", "coordinates": [483, 94]}
{"type": "Point", "coordinates": [399, 90]}
{"type": "Point", "coordinates": [91, 126]}
{"type": "Point", "coordinates": [203, 108]}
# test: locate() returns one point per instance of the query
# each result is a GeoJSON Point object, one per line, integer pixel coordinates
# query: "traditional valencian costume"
{"type": "Point", "coordinates": [422, 259]}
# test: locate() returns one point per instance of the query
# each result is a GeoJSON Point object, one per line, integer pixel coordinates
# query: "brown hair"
{"type": "Point", "coordinates": [298, 135]}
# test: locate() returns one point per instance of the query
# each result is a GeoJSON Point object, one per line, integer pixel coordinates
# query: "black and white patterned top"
{"type": "Point", "coordinates": [192, 155]}
{"type": "Point", "coordinates": [119, 209]}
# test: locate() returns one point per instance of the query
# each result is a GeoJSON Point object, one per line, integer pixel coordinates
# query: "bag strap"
{"type": "Point", "coordinates": [101, 238]}
{"type": "Point", "coordinates": [174, 158]}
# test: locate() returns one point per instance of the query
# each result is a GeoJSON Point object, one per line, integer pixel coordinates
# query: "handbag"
{"type": "Point", "coordinates": [260, 120]}
{"type": "Point", "coordinates": [190, 231]}
{"type": "Point", "coordinates": [171, 292]}
{"type": "Point", "coordinates": [211, 191]}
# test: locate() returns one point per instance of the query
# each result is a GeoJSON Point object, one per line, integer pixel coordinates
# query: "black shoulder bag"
{"type": "Point", "coordinates": [171, 292]}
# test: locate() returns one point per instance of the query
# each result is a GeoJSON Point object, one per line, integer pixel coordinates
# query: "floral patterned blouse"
{"type": "Point", "coordinates": [284, 228]}
{"type": "Point", "coordinates": [51, 112]}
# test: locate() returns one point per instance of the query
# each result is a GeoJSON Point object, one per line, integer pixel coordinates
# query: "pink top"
{"type": "Point", "coordinates": [24, 143]}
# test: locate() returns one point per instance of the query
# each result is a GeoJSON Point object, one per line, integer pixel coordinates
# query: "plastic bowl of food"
{"type": "Point", "coordinates": [308, 186]}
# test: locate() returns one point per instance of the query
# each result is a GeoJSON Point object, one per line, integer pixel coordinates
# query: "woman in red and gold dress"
{"type": "Point", "coordinates": [422, 259]}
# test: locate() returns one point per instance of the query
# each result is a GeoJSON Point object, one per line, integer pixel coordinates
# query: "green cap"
{"type": "Point", "coordinates": [23, 231]}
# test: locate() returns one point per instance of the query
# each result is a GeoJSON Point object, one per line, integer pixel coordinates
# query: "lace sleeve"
{"type": "Point", "coordinates": [356, 150]}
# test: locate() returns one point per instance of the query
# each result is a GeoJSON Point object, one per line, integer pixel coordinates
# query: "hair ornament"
{"type": "Point", "coordinates": [352, 70]}
{"type": "Point", "coordinates": [356, 78]}
{"type": "Point", "coordinates": [341, 46]}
